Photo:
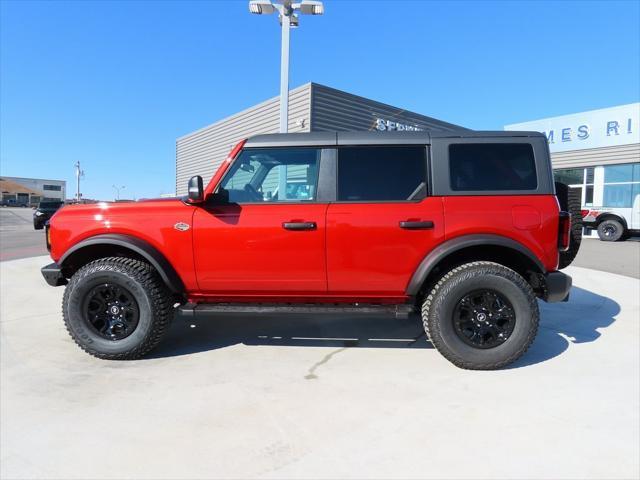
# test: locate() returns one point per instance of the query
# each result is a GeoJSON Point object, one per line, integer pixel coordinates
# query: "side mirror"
{"type": "Point", "coordinates": [196, 190]}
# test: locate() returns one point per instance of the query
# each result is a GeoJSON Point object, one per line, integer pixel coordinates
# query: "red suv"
{"type": "Point", "coordinates": [465, 228]}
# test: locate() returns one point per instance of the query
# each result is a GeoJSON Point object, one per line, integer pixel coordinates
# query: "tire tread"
{"type": "Point", "coordinates": [432, 328]}
{"type": "Point", "coordinates": [153, 285]}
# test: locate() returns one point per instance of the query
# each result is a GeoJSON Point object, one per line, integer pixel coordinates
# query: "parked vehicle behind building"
{"type": "Point", "coordinates": [463, 227]}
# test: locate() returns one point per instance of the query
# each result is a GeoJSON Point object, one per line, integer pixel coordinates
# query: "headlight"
{"type": "Point", "coordinates": [39, 213]}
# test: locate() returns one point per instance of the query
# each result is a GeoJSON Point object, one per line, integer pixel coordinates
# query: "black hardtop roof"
{"type": "Point", "coordinates": [319, 139]}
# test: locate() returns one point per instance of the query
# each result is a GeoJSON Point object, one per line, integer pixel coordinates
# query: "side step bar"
{"type": "Point", "coordinates": [204, 309]}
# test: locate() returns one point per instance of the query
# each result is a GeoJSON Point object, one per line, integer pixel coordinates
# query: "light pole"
{"type": "Point", "coordinates": [118, 191]}
{"type": "Point", "coordinates": [79, 174]}
{"type": "Point", "coordinates": [287, 14]}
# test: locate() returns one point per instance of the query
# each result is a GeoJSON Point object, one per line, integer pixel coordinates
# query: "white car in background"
{"type": "Point", "coordinates": [613, 223]}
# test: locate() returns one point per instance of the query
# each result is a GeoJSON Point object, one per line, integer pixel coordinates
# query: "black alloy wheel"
{"type": "Point", "coordinates": [117, 308]}
{"type": "Point", "coordinates": [484, 319]}
{"type": "Point", "coordinates": [111, 311]}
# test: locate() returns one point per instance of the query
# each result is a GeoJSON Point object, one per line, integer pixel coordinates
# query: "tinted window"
{"type": "Point", "coordinates": [273, 175]}
{"type": "Point", "coordinates": [569, 176]}
{"type": "Point", "coordinates": [381, 174]}
{"type": "Point", "coordinates": [492, 166]}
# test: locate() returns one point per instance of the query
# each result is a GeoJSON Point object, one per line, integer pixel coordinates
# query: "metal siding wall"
{"type": "Point", "coordinates": [201, 152]}
{"type": "Point", "coordinates": [597, 156]}
{"type": "Point", "coordinates": [335, 110]}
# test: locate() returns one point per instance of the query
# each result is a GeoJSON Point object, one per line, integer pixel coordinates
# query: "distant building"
{"type": "Point", "coordinates": [31, 191]}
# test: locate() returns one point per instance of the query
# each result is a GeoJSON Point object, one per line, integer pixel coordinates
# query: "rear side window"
{"type": "Point", "coordinates": [492, 166]}
{"type": "Point", "coordinates": [368, 174]}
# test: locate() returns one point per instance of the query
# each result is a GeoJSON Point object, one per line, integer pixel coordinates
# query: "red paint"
{"type": "Point", "coordinates": [245, 249]}
{"type": "Point", "coordinates": [497, 215]}
{"type": "Point", "coordinates": [368, 252]}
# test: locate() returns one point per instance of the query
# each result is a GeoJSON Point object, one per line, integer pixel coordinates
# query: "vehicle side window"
{"type": "Point", "coordinates": [492, 166]}
{"type": "Point", "coordinates": [273, 175]}
{"type": "Point", "coordinates": [391, 173]}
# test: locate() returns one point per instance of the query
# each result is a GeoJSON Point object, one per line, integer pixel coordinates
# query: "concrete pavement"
{"type": "Point", "coordinates": [318, 398]}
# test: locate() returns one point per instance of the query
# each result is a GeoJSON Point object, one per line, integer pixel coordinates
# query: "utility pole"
{"type": "Point", "coordinates": [79, 173]}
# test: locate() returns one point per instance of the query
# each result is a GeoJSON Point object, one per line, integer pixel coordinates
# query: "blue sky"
{"type": "Point", "coordinates": [113, 84]}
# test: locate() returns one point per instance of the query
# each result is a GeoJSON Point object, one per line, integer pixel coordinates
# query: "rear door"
{"type": "Point", "coordinates": [383, 223]}
{"type": "Point", "coordinates": [269, 238]}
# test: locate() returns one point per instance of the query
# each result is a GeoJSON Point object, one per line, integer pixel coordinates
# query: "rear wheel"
{"type": "Point", "coordinates": [116, 308]}
{"type": "Point", "coordinates": [481, 316]}
{"type": "Point", "coordinates": [610, 230]}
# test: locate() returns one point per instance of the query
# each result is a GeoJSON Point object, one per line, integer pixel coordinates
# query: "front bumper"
{"type": "Point", "coordinates": [558, 287]}
{"type": "Point", "coordinates": [52, 274]}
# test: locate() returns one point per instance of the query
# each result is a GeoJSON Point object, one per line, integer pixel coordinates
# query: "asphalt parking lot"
{"type": "Point", "coordinates": [305, 397]}
{"type": "Point", "coordinates": [18, 239]}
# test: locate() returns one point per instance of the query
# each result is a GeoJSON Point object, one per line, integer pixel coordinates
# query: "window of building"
{"type": "Point", "coordinates": [273, 175]}
{"type": "Point", "coordinates": [622, 173]}
{"type": "Point", "coordinates": [52, 188]}
{"type": "Point", "coordinates": [621, 185]}
{"type": "Point", "coordinates": [368, 174]}
{"type": "Point", "coordinates": [492, 166]}
{"type": "Point", "coordinates": [621, 195]}
{"type": "Point", "coordinates": [569, 176]}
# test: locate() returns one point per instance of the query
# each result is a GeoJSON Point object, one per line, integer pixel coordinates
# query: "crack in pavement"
{"type": "Point", "coordinates": [311, 375]}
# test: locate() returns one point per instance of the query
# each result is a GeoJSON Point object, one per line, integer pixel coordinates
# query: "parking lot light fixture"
{"type": "Point", "coordinates": [288, 19]}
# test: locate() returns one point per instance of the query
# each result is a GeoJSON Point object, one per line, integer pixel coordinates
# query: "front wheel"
{"type": "Point", "coordinates": [481, 316]}
{"type": "Point", "coordinates": [116, 308]}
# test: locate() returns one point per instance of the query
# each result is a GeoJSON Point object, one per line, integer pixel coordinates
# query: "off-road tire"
{"type": "Point", "coordinates": [570, 201]}
{"type": "Point", "coordinates": [439, 305]}
{"type": "Point", "coordinates": [152, 297]}
{"type": "Point", "coordinates": [610, 225]}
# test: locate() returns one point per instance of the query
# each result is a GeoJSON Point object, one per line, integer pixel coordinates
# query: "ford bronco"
{"type": "Point", "coordinates": [464, 228]}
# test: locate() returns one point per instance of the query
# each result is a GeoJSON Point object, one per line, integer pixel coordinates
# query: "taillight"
{"type": "Point", "coordinates": [584, 213]}
{"type": "Point", "coordinates": [564, 231]}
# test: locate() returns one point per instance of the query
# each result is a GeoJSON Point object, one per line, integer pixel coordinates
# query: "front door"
{"type": "Point", "coordinates": [269, 238]}
{"type": "Point", "coordinates": [383, 223]}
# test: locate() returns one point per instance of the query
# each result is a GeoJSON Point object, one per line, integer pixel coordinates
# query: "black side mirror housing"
{"type": "Point", "coordinates": [196, 190]}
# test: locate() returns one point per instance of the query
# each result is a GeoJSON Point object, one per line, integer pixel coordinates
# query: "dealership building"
{"type": "Point", "coordinates": [312, 108]}
{"type": "Point", "coordinates": [596, 151]}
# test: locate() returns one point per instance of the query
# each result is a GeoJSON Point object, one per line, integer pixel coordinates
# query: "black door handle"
{"type": "Point", "coordinates": [421, 225]}
{"type": "Point", "coordinates": [299, 225]}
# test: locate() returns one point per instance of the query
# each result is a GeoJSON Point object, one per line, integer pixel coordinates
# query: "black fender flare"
{"type": "Point", "coordinates": [604, 216]}
{"type": "Point", "coordinates": [450, 246]}
{"type": "Point", "coordinates": [140, 247]}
